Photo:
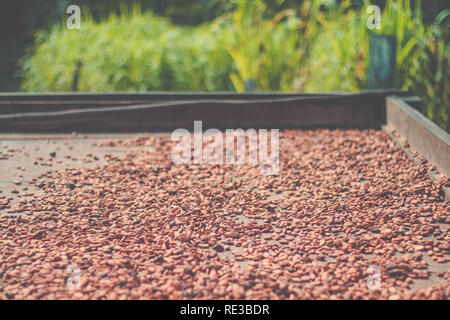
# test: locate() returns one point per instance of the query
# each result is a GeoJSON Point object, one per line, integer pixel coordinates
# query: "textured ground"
{"type": "Point", "coordinates": [86, 220]}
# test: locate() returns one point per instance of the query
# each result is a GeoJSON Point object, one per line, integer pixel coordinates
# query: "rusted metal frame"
{"type": "Point", "coordinates": [357, 110]}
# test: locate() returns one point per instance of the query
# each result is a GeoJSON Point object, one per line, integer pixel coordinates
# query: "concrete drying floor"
{"type": "Point", "coordinates": [267, 255]}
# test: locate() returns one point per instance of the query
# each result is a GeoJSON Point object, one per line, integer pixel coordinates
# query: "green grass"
{"type": "Point", "coordinates": [136, 52]}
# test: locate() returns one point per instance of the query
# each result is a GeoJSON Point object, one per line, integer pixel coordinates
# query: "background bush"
{"type": "Point", "coordinates": [19, 21]}
{"type": "Point", "coordinates": [133, 52]}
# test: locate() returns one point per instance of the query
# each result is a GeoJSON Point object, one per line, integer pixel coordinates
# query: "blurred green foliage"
{"type": "Point", "coordinates": [423, 56]}
{"type": "Point", "coordinates": [310, 46]}
{"type": "Point", "coordinates": [19, 21]}
{"type": "Point", "coordinates": [133, 52]}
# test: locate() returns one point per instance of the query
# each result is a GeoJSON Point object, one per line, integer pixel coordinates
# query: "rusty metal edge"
{"type": "Point", "coordinates": [357, 110]}
{"type": "Point", "coordinates": [168, 95]}
{"type": "Point", "coordinates": [34, 102]}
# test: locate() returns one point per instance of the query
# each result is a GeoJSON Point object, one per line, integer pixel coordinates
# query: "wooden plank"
{"type": "Point", "coordinates": [36, 102]}
{"type": "Point", "coordinates": [422, 134]}
{"type": "Point", "coordinates": [359, 110]}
